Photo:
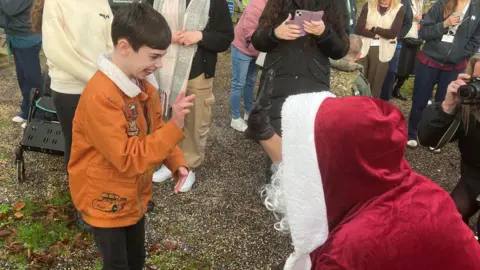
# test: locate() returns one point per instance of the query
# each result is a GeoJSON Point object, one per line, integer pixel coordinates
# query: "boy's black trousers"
{"type": "Point", "coordinates": [122, 248]}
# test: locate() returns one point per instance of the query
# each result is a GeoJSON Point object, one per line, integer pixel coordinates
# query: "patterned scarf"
{"type": "Point", "coordinates": [177, 63]}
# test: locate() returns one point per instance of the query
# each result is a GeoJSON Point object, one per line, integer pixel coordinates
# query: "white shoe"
{"type": "Point", "coordinates": [187, 186]}
{"type": "Point", "coordinates": [429, 102]}
{"type": "Point", "coordinates": [163, 174]}
{"type": "Point", "coordinates": [18, 119]}
{"type": "Point", "coordinates": [412, 143]}
{"type": "Point", "coordinates": [436, 151]}
{"type": "Point", "coordinates": [239, 124]}
{"type": "Point", "coordinates": [245, 117]}
{"type": "Point", "coordinates": [24, 125]}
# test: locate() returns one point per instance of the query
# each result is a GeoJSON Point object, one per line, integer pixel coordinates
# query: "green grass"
{"type": "Point", "coordinates": [35, 236]}
{"type": "Point", "coordinates": [4, 208]}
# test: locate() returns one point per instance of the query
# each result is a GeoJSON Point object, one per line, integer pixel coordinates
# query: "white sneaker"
{"type": "Point", "coordinates": [187, 186]}
{"type": "Point", "coordinates": [412, 143]}
{"type": "Point", "coordinates": [18, 119]}
{"type": "Point", "coordinates": [429, 102]}
{"type": "Point", "coordinates": [239, 124]}
{"type": "Point", "coordinates": [436, 151]}
{"type": "Point", "coordinates": [245, 117]}
{"type": "Point", "coordinates": [24, 125]}
{"type": "Point", "coordinates": [163, 174]}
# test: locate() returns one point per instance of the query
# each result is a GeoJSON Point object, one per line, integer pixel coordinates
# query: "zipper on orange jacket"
{"type": "Point", "coordinates": [149, 121]}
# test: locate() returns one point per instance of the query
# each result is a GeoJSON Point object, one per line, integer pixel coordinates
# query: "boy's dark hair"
{"type": "Point", "coordinates": [141, 25]}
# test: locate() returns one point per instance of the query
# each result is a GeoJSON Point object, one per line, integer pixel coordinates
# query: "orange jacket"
{"type": "Point", "coordinates": [118, 139]}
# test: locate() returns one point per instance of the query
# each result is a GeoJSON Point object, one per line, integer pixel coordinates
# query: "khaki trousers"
{"type": "Point", "coordinates": [198, 121]}
{"type": "Point", "coordinates": [374, 70]}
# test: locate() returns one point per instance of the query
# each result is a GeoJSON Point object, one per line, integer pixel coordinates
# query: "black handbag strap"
{"type": "Point", "coordinates": [452, 129]}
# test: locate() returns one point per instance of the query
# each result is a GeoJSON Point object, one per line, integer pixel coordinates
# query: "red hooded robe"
{"type": "Point", "coordinates": [379, 213]}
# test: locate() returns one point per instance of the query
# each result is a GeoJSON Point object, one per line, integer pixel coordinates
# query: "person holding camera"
{"type": "Point", "coordinates": [457, 119]}
{"type": "Point", "coordinates": [350, 200]}
{"type": "Point", "coordinates": [451, 31]}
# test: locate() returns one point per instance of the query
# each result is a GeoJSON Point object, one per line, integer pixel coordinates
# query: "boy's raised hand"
{"type": "Point", "coordinates": [180, 108]}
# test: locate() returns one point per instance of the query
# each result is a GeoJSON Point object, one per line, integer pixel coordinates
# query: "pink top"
{"type": "Point", "coordinates": [247, 25]}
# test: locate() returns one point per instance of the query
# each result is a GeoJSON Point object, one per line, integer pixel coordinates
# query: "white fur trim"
{"type": "Point", "coordinates": [115, 74]}
{"type": "Point", "coordinates": [302, 186]}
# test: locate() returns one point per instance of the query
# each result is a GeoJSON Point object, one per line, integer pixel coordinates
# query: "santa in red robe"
{"type": "Point", "coordinates": [350, 200]}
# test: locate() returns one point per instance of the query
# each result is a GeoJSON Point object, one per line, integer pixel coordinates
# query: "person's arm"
{"type": "Point", "coordinates": [432, 26]}
{"type": "Point", "coordinates": [58, 48]}
{"type": "Point", "coordinates": [407, 19]}
{"type": "Point", "coordinates": [273, 148]}
{"type": "Point", "coordinates": [264, 39]}
{"type": "Point", "coordinates": [14, 7]}
{"type": "Point", "coordinates": [176, 159]}
{"type": "Point", "coordinates": [331, 44]}
{"type": "Point", "coordinates": [472, 46]}
{"type": "Point", "coordinates": [434, 124]}
{"type": "Point", "coordinates": [250, 22]}
{"type": "Point", "coordinates": [218, 35]}
{"type": "Point", "coordinates": [362, 23]}
{"type": "Point", "coordinates": [105, 129]}
{"type": "Point", "coordinates": [394, 31]}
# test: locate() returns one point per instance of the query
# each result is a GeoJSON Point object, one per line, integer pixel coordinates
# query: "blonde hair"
{"type": "Point", "coordinates": [36, 16]}
{"type": "Point", "coordinates": [374, 4]}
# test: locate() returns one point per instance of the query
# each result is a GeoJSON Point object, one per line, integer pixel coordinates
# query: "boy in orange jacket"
{"type": "Point", "coordinates": [119, 137]}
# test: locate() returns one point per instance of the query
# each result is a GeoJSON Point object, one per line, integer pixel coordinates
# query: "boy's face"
{"type": "Point", "coordinates": [145, 61]}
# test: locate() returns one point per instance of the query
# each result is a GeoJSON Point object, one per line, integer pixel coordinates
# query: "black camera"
{"type": "Point", "coordinates": [470, 93]}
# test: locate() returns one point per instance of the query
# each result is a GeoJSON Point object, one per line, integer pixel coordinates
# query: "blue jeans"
{"type": "Point", "coordinates": [244, 75]}
{"type": "Point", "coordinates": [425, 79]}
{"type": "Point", "coordinates": [389, 80]}
{"type": "Point", "coordinates": [29, 74]}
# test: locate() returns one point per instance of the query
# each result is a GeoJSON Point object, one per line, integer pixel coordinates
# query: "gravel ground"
{"type": "Point", "coordinates": [221, 223]}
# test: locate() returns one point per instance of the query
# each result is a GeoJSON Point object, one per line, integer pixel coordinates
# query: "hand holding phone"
{"type": "Point", "coordinates": [287, 31]}
{"type": "Point", "coordinates": [313, 19]}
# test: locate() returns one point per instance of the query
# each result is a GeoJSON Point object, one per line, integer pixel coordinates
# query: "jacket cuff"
{"type": "Point", "coordinates": [324, 36]}
{"type": "Point", "coordinates": [443, 116]}
{"type": "Point", "coordinates": [272, 36]}
{"type": "Point", "coordinates": [174, 162]}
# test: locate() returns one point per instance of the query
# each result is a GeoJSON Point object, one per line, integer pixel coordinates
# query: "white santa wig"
{"type": "Point", "coordinates": [295, 194]}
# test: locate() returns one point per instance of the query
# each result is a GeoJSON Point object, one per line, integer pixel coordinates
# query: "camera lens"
{"type": "Point", "coordinates": [464, 91]}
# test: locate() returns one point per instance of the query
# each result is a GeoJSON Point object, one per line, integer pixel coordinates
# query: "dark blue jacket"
{"type": "Point", "coordinates": [16, 16]}
{"type": "Point", "coordinates": [465, 43]}
{"type": "Point", "coordinates": [407, 19]}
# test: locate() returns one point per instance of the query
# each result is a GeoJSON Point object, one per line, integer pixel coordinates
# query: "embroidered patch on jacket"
{"type": "Point", "coordinates": [109, 203]}
{"type": "Point", "coordinates": [132, 114]}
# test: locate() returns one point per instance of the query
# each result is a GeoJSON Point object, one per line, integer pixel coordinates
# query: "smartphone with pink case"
{"type": "Point", "coordinates": [305, 15]}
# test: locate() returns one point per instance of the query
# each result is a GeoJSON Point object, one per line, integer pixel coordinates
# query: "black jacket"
{"type": "Point", "coordinates": [467, 37]}
{"type": "Point", "coordinates": [16, 16]}
{"type": "Point", "coordinates": [433, 126]}
{"type": "Point", "coordinates": [217, 37]}
{"type": "Point", "coordinates": [407, 19]}
{"type": "Point", "coordinates": [301, 65]}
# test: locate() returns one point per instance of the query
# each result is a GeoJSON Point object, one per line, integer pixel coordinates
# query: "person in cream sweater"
{"type": "Point", "coordinates": [75, 33]}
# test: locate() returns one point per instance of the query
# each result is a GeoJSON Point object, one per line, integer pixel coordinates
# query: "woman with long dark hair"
{"type": "Point", "coordinates": [301, 63]}
{"type": "Point", "coordinates": [451, 31]}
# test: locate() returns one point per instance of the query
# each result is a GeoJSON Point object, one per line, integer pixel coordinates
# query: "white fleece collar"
{"type": "Point", "coordinates": [306, 211]}
{"type": "Point", "coordinates": [131, 89]}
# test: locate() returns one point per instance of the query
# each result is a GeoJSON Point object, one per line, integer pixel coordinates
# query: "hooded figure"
{"type": "Point", "coordinates": [348, 197]}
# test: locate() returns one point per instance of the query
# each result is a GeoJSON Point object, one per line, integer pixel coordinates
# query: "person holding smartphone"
{"type": "Point", "coordinates": [350, 200]}
{"type": "Point", "coordinates": [301, 62]}
{"type": "Point", "coordinates": [438, 118]}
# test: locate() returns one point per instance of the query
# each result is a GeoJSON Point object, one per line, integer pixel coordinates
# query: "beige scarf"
{"type": "Point", "coordinates": [177, 63]}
